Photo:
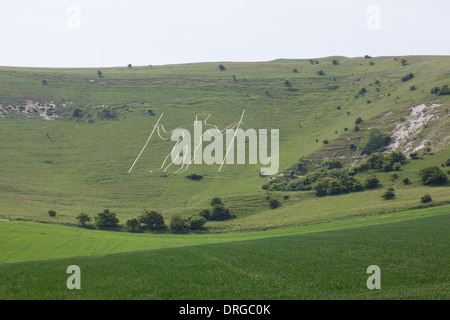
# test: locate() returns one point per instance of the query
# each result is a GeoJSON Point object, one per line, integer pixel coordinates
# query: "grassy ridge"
{"type": "Point", "coordinates": [25, 241]}
{"type": "Point", "coordinates": [324, 265]}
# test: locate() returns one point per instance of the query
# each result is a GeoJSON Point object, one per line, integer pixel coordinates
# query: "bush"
{"type": "Point", "coordinates": [221, 67]}
{"type": "Point", "coordinates": [77, 113]}
{"type": "Point", "coordinates": [44, 82]}
{"type": "Point", "coordinates": [177, 224]}
{"type": "Point", "coordinates": [194, 176]}
{"type": "Point", "coordinates": [51, 213]}
{"type": "Point", "coordinates": [362, 91]}
{"type": "Point", "coordinates": [405, 180]}
{"type": "Point", "coordinates": [372, 140]}
{"type": "Point", "coordinates": [152, 220]}
{"type": "Point", "coordinates": [195, 223]}
{"type": "Point", "coordinates": [388, 195]}
{"type": "Point", "coordinates": [425, 199]}
{"type": "Point", "coordinates": [83, 218]}
{"type": "Point", "coordinates": [371, 182]}
{"type": "Point", "coordinates": [295, 70]}
{"type": "Point", "coordinates": [220, 213]}
{"type": "Point", "coordinates": [99, 74]}
{"type": "Point", "coordinates": [215, 200]}
{"type": "Point", "coordinates": [133, 224]}
{"type": "Point", "coordinates": [447, 163]}
{"type": "Point", "coordinates": [432, 176]}
{"type": "Point", "coordinates": [407, 77]}
{"type": "Point", "coordinates": [335, 62]}
{"type": "Point", "coordinates": [205, 213]}
{"type": "Point", "coordinates": [321, 73]}
{"type": "Point", "coordinates": [358, 120]}
{"type": "Point", "coordinates": [332, 164]}
{"type": "Point", "coordinates": [106, 219]}
{"type": "Point", "coordinates": [274, 203]}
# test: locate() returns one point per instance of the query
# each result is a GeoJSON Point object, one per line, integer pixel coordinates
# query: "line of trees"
{"type": "Point", "coordinates": [153, 221]}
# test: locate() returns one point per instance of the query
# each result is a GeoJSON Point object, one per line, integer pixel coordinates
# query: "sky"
{"type": "Point", "coordinates": [100, 33]}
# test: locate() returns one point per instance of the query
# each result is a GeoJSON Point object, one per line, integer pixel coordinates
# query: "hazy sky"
{"type": "Point", "coordinates": [89, 33]}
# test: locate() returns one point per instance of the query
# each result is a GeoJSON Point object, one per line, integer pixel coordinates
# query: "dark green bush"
{"type": "Point", "coordinates": [51, 213]}
{"type": "Point", "coordinates": [152, 220]}
{"type": "Point", "coordinates": [432, 176]}
{"type": "Point", "coordinates": [274, 203]}
{"type": "Point", "coordinates": [371, 182]}
{"type": "Point", "coordinates": [106, 219]}
{"type": "Point", "coordinates": [388, 195]}
{"type": "Point", "coordinates": [425, 199]}
{"type": "Point", "coordinates": [195, 223]}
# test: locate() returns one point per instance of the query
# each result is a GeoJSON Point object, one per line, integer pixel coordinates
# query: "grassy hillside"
{"type": "Point", "coordinates": [323, 265]}
{"type": "Point", "coordinates": [79, 161]}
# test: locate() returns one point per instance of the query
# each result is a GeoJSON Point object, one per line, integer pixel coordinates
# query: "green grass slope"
{"type": "Point", "coordinates": [323, 265]}
{"type": "Point", "coordinates": [79, 164]}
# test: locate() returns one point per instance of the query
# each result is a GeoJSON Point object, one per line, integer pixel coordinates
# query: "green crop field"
{"type": "Point", "coordinates": [67, 144]}
{"type": "Point", "coordinates": [413, 257]}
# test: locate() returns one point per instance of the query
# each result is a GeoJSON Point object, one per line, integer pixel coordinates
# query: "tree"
{"type": "Point", "coordinates": [106, 219]}
{"type": "Point", "coordinates": [432, 176]}
{"type": "Point", "coordinates": [426, 198]}
{"type": "Point", "coordinates": [177, 224]}
{"type": "Point", "coordinates": [221, 67]}
{"type": "Point", "coordinates": [83, 218]}
{"type": "Point", "coordinates": [133, 224]}
{"type": "Point", "coordinates": [99, 74]}
{"type": "Point", "coordinates": [130, 66]}
{"type": "Point", "coordinates": [152, 220]}
{"type": "Point", "coordinates": [51, 213]}
{"type": "Point", "coordinates": [335, 62]}
{"type": "Point", "coordinates": [362, 91]}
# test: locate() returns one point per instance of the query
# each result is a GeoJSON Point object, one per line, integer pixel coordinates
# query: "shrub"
{"type": "Point", "coordinates": [447, 163]}
{"type": "Point", "coordinates": [177, 224]}
{"type": "Point", "coordinates": [215, 200]}
{"type": "Point", "coordinates": [405, 180]}
{"type": "Point", "coordinates": [432, 176]}
{"type": "Point", "coordinates": [77, 113]}
{"type": "Point", "coordinates": [133, 224]}
{"type": "Point", "coordinates": [321, 73]}
{"type": "Point", "coordinates": [367, 57]}
{"type": "Point", "coordinates": [358, 120]}
{"type": "Point", "coordinates": [407, 77]}
{"type": "Point", "coordinates": [206, 213]}
{"type": "Point", "coordinates": [274, 203]}
{"type": "Point", "coordinates": [412, 88]}
{"type": "Point", "coordinates": [51, 213]}
{"type": "Point", "coordinates": [388, 195]}
{"type": "Point", "coordinates": [394, 177]}
{"type": "Point", "coordinates": [362, 91]}
{"type": "Point", "coordinates": [130, 66]}
{"type": "Point", "coordinates": [44, 82]}
{"type": "Point", "coordinates": [287, 83]}
{"type": "Point", "coordinates": [295, 70]}
{"type": "Point", "coordinates": [425, 199]}
{"type": "Point", "coordinates": [332, 164]}
{"type": "Point", "coordinates": [221, 67]}
{"type": "Point", "coordinates": [219, 213]}
{"type": "Point", "coordinates": [106, 219]}
{"type": "Point", "coordinates": [397, 166]}
{"type": "Point", "coordinates": [372, 140]}
{"type": "Point", "coordinates": [194, 176]}
{"type": "Point", "coordinates": [371, 182]}
{"type": "Point", "coordinates": [325, 141]}
{"type": "Point", "coordinates": [404, 62]}
{"type": "Point", "coordinates": [99, 74]}
{"type": "Point", "coordinates": [152, 220]}
{"type": "Point", "coordinates": [335, 62]}
{"type": "Point", "coordinates": [83, 218]}
{"type": "Point", "coordinates": [195, 223]}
